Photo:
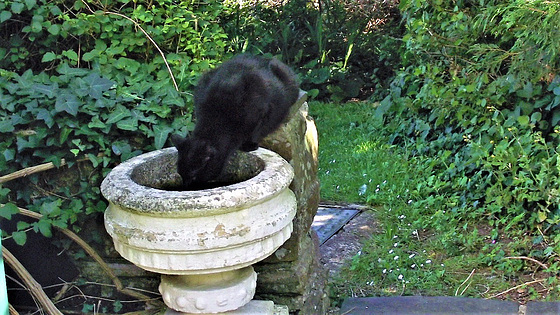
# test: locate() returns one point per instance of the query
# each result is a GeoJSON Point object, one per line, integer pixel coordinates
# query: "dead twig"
{"type": "Point", "coordinates": [34, 287]}
{"type": "Point", "coordinates": [145, 34]}
{"type": "Point", "coordinates": [92, 253]}
{"type": "Point", "coordinates": [13, 311]}
{"type": "Point", "coordinates": [30, 170]}
{"type": "Point", "coordinates": [463, 283]}
{"type": "Point", "coordinates": [529, 259]}
{"type": "Point", "coordinates": [516, 287]}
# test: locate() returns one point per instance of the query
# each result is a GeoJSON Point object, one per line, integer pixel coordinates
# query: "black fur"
{"type": "Point", "coordinates": [236, 105]}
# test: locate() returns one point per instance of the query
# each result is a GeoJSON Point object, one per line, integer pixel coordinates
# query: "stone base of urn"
{"type": "Point", "coordinates": [254, 307]}
{"type": "Point", "coordinates": [203, 242]}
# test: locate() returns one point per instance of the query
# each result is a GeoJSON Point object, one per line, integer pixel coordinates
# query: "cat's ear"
{"type": "Point", "coordinates": [177, 140]}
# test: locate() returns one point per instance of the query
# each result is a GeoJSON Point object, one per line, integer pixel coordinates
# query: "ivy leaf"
{"type": "Point", "coordinates": [45, 228]}
{"type": "Point", "coordinates": [556, 118]}
{"type": "Point", "coordinates": [98, 85]}
{"type": "Point", "coordinates": [54, 29]}
{"type": "Point", "coordinates": [118, 114]}
{"type": "Point", "coordinates": [526, 92]}
{"type": "Point", "coordinates": [5, 15]}
{"type": "Point", "coordinates": [65, 69]}
{"type": "Point", "coordinates": [30, 4]}
{"type": "Point", "coordinates": [19, 237]}
{"type": "Point", "coordinates": [67, 102]}
{"type": "Point", "coordinates": [130, 124]}
{"type": "Point", "coordinates": [50, 56]}
{"type": "Point", "coordinates": [52, 207]}
{"type": "Point", "coordinates": [523, 120]}
{"type": "Point", "coordinates": [96, 123]}
{"type": "Point", "coordinates": [160, 134]}
{"type": "Point", "coordinates": [6, 126]}
{"type": "Point", "coordinates": [48, 90]}
{"type": "Point", "coordinates": [7, 210]}
{"type": "Point", "coordinates": [17, 7]}
{"type": "Point", "coordinates": [45, 116]}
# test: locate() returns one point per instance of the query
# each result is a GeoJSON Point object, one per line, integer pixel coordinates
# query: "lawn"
{"type": "Point", "coordinates": [423, 248]}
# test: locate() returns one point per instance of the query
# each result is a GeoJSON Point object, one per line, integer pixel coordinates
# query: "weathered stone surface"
{"type": "Point", "coordinates": [424, 305]}
{"type": "Point", "coordinates": [293, 275]}
{"type": "Point", "coordinates": [299, 284]}
{"type": "Point", "coordinates": [296, 141]}
{"type": "Point", "coordinates": [204, 241]}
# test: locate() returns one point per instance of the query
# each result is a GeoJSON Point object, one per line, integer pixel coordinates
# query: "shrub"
{"type": "Point", "coordinates": [88, 83]}
{"type": "Point", "coordinates": [343, 49]}
{"type": "Point", "coordinates": [480, 98]}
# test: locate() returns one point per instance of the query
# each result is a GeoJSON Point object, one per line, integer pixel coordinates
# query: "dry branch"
{"type": "Point", "coordinates": [91, 252]}
{"type": "Point", "coordinates": [529, 259]}
{"type": "Point", "coordinates": [34, 287]}
{"type": "Point", "coordinates": [516, 287]}
{"type": "Point", "coordinates": [29, 170]}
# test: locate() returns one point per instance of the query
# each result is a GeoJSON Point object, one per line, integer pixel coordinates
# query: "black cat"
{"type": "Point", "coordinates": [236, 105]}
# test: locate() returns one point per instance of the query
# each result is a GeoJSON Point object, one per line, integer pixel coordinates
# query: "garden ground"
{"type": "Point", "coordinates": [347, 242]}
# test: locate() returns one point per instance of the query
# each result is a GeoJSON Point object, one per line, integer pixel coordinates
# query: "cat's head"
{"type": "Point", "coordinates": [196, 160]}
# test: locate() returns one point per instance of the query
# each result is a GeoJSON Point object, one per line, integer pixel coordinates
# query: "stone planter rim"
{"type": "Point", "coordinates": [119, 188]}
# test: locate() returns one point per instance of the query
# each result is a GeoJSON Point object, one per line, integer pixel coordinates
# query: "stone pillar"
{"type": "Point", "coordinates": [293, 275]}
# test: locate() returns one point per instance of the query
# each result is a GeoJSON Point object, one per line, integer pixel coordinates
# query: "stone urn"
{"type": "Point", "coordinates": [203, 242]}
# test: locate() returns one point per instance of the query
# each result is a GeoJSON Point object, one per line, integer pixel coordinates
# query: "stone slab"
{"type": "Point", "coordinates": [543, 308]}
{"type": "Point", "coordinates": [328, 221]}
{"type": "Point", "coordinates": [422, 305]}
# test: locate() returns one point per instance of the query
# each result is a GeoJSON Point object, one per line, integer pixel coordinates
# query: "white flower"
{"type": "Point", "coordinates": [411, 255]}
{"type": "Point", "coordinates": [400, 277]}
{"type": "Point", "coordinates": [396, 258]}
{"type": "Point", "coordinates": [429, 261]}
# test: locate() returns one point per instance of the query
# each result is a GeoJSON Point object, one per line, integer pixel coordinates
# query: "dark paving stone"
{"type": "Point", "coordinates": [416, 305]}
{"type": "Point", "coordinates": [543, 308]}
{"type": "Point", "coordinates": [329, 220]}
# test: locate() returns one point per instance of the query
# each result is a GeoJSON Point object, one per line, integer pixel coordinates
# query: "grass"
{"type": "Point", "coordinates": [425, 248]}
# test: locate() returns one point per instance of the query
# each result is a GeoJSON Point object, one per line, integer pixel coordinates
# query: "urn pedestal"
{"type": "Point", "coordinates": [203, 242]}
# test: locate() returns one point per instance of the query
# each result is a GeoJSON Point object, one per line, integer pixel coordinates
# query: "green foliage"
{"type": "Point", "coordinates": [85, 82]}
{"type": "Point", "coordinates": [472, 123]}
{"type": "Point", "coordinates": [478, 101]}
{"type": "Point", "coordinates": [342, 49]}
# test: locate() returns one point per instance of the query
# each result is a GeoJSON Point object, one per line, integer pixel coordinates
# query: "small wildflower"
{"type": "Point", "coordinates": [384, 271]}
{"type": "Point", "coordinates": [413, 266]}
{"type": "Point", "coordinates": [429, 261]}
{"type": "Point", "coordinates": [400, 277]}
{"type": "Point", "coordinates": [411, 255]}
{"type": "Point", "coordinates": [396, 258]}
{"type": "Point", "coordinates": [391, 251]}
{"type": "Point", "coordinates": [410, 201]}
{"type": "Point", "coordinates": [396, 245]}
